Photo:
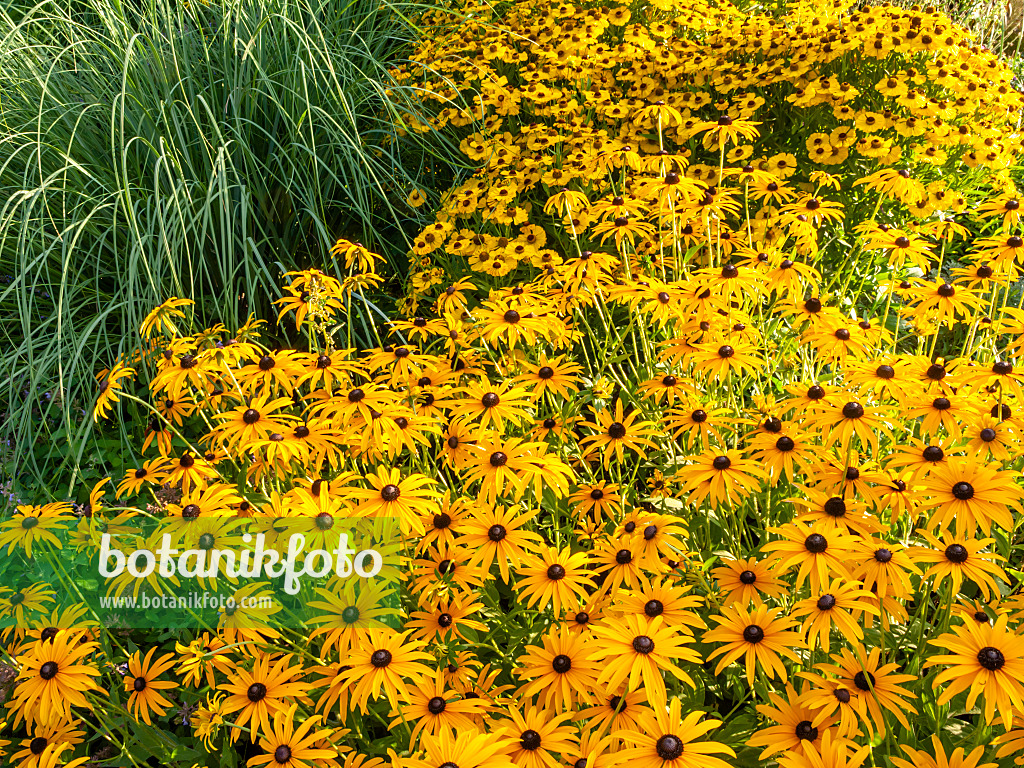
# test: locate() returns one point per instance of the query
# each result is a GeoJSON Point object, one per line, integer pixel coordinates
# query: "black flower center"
{"type": "Point", "coordinates": [957, 553]}
{"type": "Point", "coordinates": [530, 740]}
{"type": "Point", "coordinates": [616, 431]}
{"type": "Point", "coordinates": [380, 659]}
{"type": "Point", "coordinates": [654, 608]}
{"type": "Point", "coordinates": [816, 543]}
{"type": "Point", "coordinates": [37, 745]}
{"type": "Point", "coordinates": [390, 492]}
{"type": "Point", "coordinates": [721, 463]}
{"type": "Point", "coordinates": [835, 506]}
{"type": "Point", "coordinates": [963, 490]}
{"type": "Point", "coordinates": [643, 644]}
{"type": "Point", "coordinates": [140, 684]}
{"type": "Point", "coordinates": [753, 634]}
{"type": "Point", "coordinates": [623, 556]}
{"type": "Point", "coordinates": [842, 695]}
{"type": "Point", "coordinates": [490, 400]}
{"type": "Point", "coordinates": [561, 663]}
{"type": "Point", "coordinates": [350, 615]}
{"type": "Point", "coordinates": [815, 393]}
{"type": "Point", "coordinates": [826, 602]}
{"type": "Point", "coordinates": [699, 416]}
{"type": "Point", "coordinates": [885, 372]}
{"type": "Point", "coordinates": [932, 453]}
{"type": "Point", "coordinates": [987, 434]}
{"type": "Point", "coordinates": [251, 416]}
{"type": "Point", "coordinates": [805, 731]}
{"type": "Point", "coordinates": [496, 533]}
{"type": "Point", "coordinates": [864, 680]}
{"type": "Point", "coordinates": [669, 747]}
{"type": "Point", "coordinates": [556, 572]}
{"type": "Point", "coordinates": [883, 555]}
{"type": "Point", "coordinates": [669, 381]}
{"type": "Point", "coordinates": [853, 411]}
{"type": "Point", "coordinates": [726, 351]}
{"type": "Point", "coordinates": [436, 705]}
{"type": "Point", "coordinates": [256, 692]}
{"type": "Point", "coordinates": [747, 577]}
{"type": "Point", "coordinates": [842, 334]}
{"type": "Point", "coordinates": [650, 532]}
{"type": "Point", "coordinates": [282, 754]}
{"type": "Point", "coordinates": [190, 511]}
{"type": "Point", "coordinates": [445, 620]}
{"type": "Point", "coordinates": [785, 444]}
{"type": "Point", "coordinates": [546, 372]}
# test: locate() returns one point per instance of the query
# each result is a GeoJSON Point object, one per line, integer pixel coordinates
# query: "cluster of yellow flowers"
{"type": "Point", "coordinates": [684, 433]}
{"type": "Point", "coordinates": [700, 130]}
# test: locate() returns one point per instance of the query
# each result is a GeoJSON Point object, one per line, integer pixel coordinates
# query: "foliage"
{"type": "Point", "coordinates": [155, 148]}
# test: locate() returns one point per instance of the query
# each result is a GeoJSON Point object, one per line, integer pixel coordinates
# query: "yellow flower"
{"type": "Point", "coordinates": [416, 198]}
{"type": "Point", "coordinates": [144, 688]}
{"type": "Point", "coordinates": [110, 384]}
{"type": "Point", "coordinates": [161, 318]}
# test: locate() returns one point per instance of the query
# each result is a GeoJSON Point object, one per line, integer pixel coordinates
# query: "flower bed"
{"type": "Point", "coordinates": [700, 430]}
